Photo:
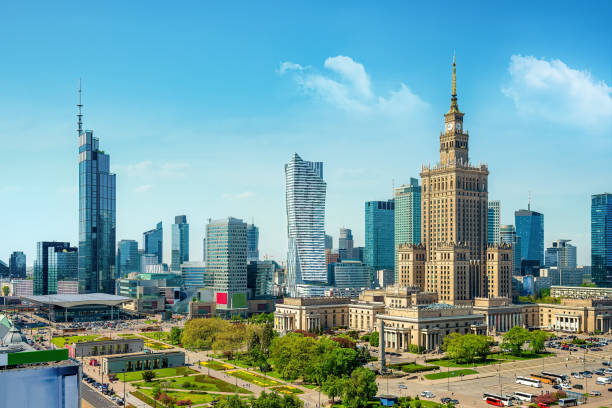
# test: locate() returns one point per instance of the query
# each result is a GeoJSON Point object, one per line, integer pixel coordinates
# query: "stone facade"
{"type": "Point", "coordinates": [99, 348]}
{"type": "Point", "coordinates": [142, 361]}
{"type": "Point", "coordinates": [581, 292]}
{"type": "Point", "coordinates": [311, 314]}
{"type": "Point", "coordinates": [362, 315]}
{"type": "Point", "coordinates": [577, 315]}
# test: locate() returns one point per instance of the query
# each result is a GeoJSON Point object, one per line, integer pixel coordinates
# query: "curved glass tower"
{"type": "Point", "coordinates": [305, 197]}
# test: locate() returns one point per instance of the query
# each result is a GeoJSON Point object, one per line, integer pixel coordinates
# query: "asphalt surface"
{"type": "Point", "coordinates": [96, 399]}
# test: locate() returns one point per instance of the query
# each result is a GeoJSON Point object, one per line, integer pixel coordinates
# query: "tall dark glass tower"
{"type": "Point", "coordinates": [97, 222]}
{"type": "Point", "coordinates": [153, 242]}
{"type": "Point", "coordinates": [601, 239]}
{"type": "Point", "coordinates": [530, 229]}
{"type": "Point", "coordinates": [180, 242]}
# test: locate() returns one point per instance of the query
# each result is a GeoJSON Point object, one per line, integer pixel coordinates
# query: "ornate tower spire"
{"type": "Point", "coordinates": [454, 106]}
{"type": "Point", "coordinates": [80, 115]}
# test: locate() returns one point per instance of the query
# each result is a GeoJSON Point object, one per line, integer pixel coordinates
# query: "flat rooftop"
{"type": "Point", "coordinates": [78, 300]}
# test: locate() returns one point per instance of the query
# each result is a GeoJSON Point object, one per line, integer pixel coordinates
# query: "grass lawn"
{"type": "Point", "coordinates": [524, 356]}
{"type": "Point", "coordinates": [195, 397]}
{"type": "Point", "coordinates": [272, 373]}
{"type": "Point", "coordinates": [453, 363]}
{"type": "Point", "coordinates": [238, 362]}
{"type": "Point", "coordinates": [62, 341]}
{"type": "Point", "coordinates": [254, 378]}
{"type": "Point", "coordinates": [492, 359]}
{"type": "Point", "coordinates": [287, 389]}
{"type": "Point", "coordinates": [159, 373]}
{"type": "Point", "coordinates": [159, 335]}
{"type": "Point", "coordinates": [128, 336]}
{"type": "Point", "coordinates": [413, 367]}
{"type": "Point", "coordinates": [215, 365]}
{"type": "Point", "coordinates": [151, 321]}
{"type": "Point", "coordinates": [195, 382]}
{"type": "Point", "coordinates": [310, 386]}
{"type": "Point", "coordinates": [156, 345]}
{"type": "Point", "coordinates": [454, 373]}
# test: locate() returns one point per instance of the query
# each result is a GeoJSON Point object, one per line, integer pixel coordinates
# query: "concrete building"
{"type": "Point", "coordinates": [562, 276]}
{"type": "Point", "coordinates": [104, 347]}
{"type": "Point", "coordinates": [362, 315]}
{"type": "Point", "coordinates": [500, 314]}
{"type": "Point", "coordinates": [311, 314]}
{"type": "Point", "coordinates": [577, 315]}
{"type": "Point", "coordinates": [384, 278]}
{"type": "Point", "coordinates": [493, 222]}
{"type": "Point", "coordinates": [23, 287]}
{"type": "Point", "coordinates": [580, 292]}
{"type": "Point", "coordinates": [117, 364]}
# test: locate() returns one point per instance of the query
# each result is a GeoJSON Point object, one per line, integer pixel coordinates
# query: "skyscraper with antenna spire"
{"type": "Point", "coordinates": [97, 215]}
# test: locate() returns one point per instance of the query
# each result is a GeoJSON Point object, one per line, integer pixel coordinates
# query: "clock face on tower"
{"type": "Point", "coordinates": [449, 126]}
{"type": "Point", "coordinates": [459, 126]}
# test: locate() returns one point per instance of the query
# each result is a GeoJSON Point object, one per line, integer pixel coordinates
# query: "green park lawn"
{"type": "Point", "coordinates": [159, 373]}
{"type": "Point", "coordinates": [128, 336]}
{"type": "Point", "coordinates": [254, 378]}
{"type": "Point", "coordinates": [446, 374]}
{"type": "Point", "coordinates": [287, 389]}
{"type": "Point", "coordinates": [155, 345]}
{"type": "Point", "coordinates": [238, 362]}
{"type": "Point", "coordinates": [215, 365]}
{"type": "Point", "coordinates": [198, 382]}
{"type": "Point", "coordinates": [491, 359]}
{"type": "Point", "coordinates": [272, 373]}
{"type": "Point", "coordinates": [523, 356]}
{"type": "Point", "coordinates": [62, 341]}
{"type": "Point", "coordinates": [195, 397]}
{"type": "Point", "coordinates": [159, 335]}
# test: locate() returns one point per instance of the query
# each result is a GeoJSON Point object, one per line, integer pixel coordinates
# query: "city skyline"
{"type": "Point", "coordinates": [367, 113]}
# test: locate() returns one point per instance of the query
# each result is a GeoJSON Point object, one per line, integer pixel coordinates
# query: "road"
{"type": "Point", "coordinates": [94, 398]}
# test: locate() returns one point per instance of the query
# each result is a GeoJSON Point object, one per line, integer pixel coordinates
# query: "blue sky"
{"type": "Point", "coordinates": [201, 104]}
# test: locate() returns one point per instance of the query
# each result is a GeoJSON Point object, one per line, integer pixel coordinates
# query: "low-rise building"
{"type": "Point", "coordinates": [581, 292]}
{"type": "Point", "coordinates": [362, 315]}
{"type": "Point", "coordinates": [142, 361]}
{"type": "Point", "coordinates": [577, 315]}
{"type": "Point", "coordinates": [100, 348]}
{"type": "Point", "coordinates": [500, 313]}
{"type": "Point", "coordinates": [311, 314]}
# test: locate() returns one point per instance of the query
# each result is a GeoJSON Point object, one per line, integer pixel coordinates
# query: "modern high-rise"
{"type": "Point", "coordinates": [153, 242]}
{"type": "Point", "coordinates": [305, 201]}
{"type": "Point", "coordinates": [180, 242]}
{"type": "Point", "coordinates": [601, 239]}
{"type": "Point", "coordinates": [97, 214]}
{"type": "Point", "coordinates": [493, 220]}
{"type": "Point", "coordinates": [530, 229]}
{"type": "Point", "coordinates": [561, 254]}
{"type": "Point", "coordinates": [63, 270]}
{"type": "Point", "coordinates": [252, 243]}
{"type": "Point", "coordinates": [193, 274]}
{"type": "Point", "coordinates": [329, 242]}
{"type": "Point", "coordinates": [345, 240]}
{"type": "Point", "coordinates": [507, 235]}
{"type": "Point", "coordinates": [379, 250]}
{"type": "Point", "coordinates": [54, 260]}
{"type": "Point", "coordinates": [453, 258]}
{"type": "Point", "coordinates": [407, 199]}
{"type": "Point", "coordinates": [17, 265]}
{"type": "Point", "coordinates": [226, 244]}
{"type": "Point", "coordinates": [128, 259]}
{"type": "Point", "coordinates": [260, 278]}
{"type": "Point", "coordinates": [4, 269]}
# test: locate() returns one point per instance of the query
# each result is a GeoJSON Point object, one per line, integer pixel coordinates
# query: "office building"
{"type": "Point", "coordinates": [180, 242]}
{"type": "Point", "coordinates": [226, 244]}
{"type": "Point", "coordinates": [23, 287]}
{"type": "Point", "coordinates": [407, 202]}
{"type": "Point", "coordinates": [580, 292]}
{"type": "Point", "coordinates": [260, 278]}
{"type": "Point", "coordinates": [148, 260]}
{"type": "Point", "coordinates": [345, 240]}
{"type": "Point", "coordinates": [601, 239]}
{"type": "Point", "coordinates": [508, 236]}
{"type": "Point", "coordinates": [4, 269]}
{"type": "Point", "coordinates": [97, 214]}
{"type": "Point", "coordinates": [351, 275]}
{"type": "Point", "coordinates": [194, 275]}
{"type": "Point", "coordinates": [561, 254]}
{"type": "Point", "coordinates": [153, 242]}
{"type": "Point", "coordinates": [49, 254]}
{"type": "Point", "coordinates": [305, 201]}
{"type": "Point", "coordinates": [493, 222]}
{"type": "Point", "coordinates": [530, 229]}
{"type": "Point", "coordinates": [128, 258]}
{"type": "Point", "coordinates": [17, 265]}
{"type": "Point", "coordinates": [63, 267]}
{"type": "Point", "coordinates": [252, 243]}
{"type": "Point", "coordinates": [329, 242]}
{"type": "Point", "coordinates": [379, 252]}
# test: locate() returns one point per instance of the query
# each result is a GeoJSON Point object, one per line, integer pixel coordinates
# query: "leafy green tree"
{"type": "Point", "coordinates": [514, 339]}
{"type": "Point", "coordinates": [5, 290]}
{"type": "Point", "coordinates": [333, 387]}
{"type": "Point", "coordinates": [267, 336]}
{"type": "Point", "coordinates": [275, 400]}
{"type": "Point", "coordinates": [374, 339]}
{"type": "Point", "coordinates": [230, 340]}
{"type": "Point", "coordinates": [359, 388]}
{"type": "Point", "coordinates": [292, 355]}
{"type": "Point", "coordinates": [537, 339]}
{"type": "Point", "coordinates": [202, 333]}
{"type": "Point", "coordinates": [466, 347]}
{"type": "Point", "coordinates": [148, 375]}
{"type": "Point", "coordinates": [175, 335]}
{"type": "Point", "coordinates": [232, 401]}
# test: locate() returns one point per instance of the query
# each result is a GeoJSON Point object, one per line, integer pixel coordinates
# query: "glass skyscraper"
{"type": "Point", "coordinates": [305, 200]}
{"type": "Point", "coordinates": [180, 242]}
{"type": "Point", "coordinates": [128, 259]}
{"type": "Point", "coordinates": [97, 215]}
{"type": "Point", "coordinates": [530, 229]}
{"type": "Point", "coordinates": [252, 243]}
{"type": "Point", "coordinates": [601, 239]}
{"type": "Point", "coordinates": [17, 265]}
{"type": "Point", "coordinates": [49, 266]}
{"type": "Point", "coordinates": [493, 219]}
{"type": "Point", "coordinates": [507, 235]}
{"type": "Point", "coordinates": [153, 242]}
{"type": "Point", "coordinates": [561, 254]}
{"type": "Point", "coordinates": [380, 234]}
{"type": "Point", "coordinates": [407, 200]}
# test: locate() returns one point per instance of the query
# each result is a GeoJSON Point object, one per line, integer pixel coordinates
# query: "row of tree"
{"type": "Point", "coordinates": [265, 400]}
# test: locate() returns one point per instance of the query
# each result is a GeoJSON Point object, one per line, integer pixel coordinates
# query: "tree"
{"type": "Point", "coordinates": [202, 333]}
{"type": "Point", "coordinates": [374, 339]}
{"type": "Point", "coordinates": [5, 290]}
{"type": "Point", "coordinates": [230, 340]}
{"type": "Point", "coordinates": [292, 354]}
{"type": "Point", "coordinates": [359, 388]}
{"type": "Point", "coordinates": [232, 401]}
{"type": "Point", "coordinates": [537, 339]}
{"type": "Point", "coordinates": [175, 335]}
{"type": "Point", "coordinates": [267, 336]}
{"type": "Point", "coordinates": [514, 339]}
{"type": "Point", "coordinates": [466, 347]}
{"type": "Point", "coordinates": [148, 375]}
{"type": "Point", "coordinates": [275, 400]}
{"type": "Point", "coordinates": [333, 387]}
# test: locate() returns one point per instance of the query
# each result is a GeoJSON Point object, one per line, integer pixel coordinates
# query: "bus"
{"type": "Point", "coordinates": [568, 402]}
{"type": "Point", "coordinates": [506, 401]}
{"type": "Point", "coordinates": [532, 382]}
{"type": "Point", "coordinates": [523, 396]}
{"type": "Point", "coordinates": [544, 379]}
{"type": "Point", "coordinates": [494, 401]}
{"type": "Point", "coordinates": [560, 377]}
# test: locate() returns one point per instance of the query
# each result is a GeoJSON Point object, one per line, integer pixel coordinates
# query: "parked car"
{"type": "Point", "coordinates": [446, 400]}
{"type": "Point", "coordinates": [577, 386]}
{"type": "Point", "coordinates": [428, 394]}
{"type": "Point", "coordinates": [543, 405]}
{"type": "Point", "coordinates": [595, 393]}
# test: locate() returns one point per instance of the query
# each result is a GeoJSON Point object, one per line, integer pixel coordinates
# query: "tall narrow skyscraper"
{"type": "Point", "coordinates": [153, 242]}
{"type": "Point", "coordinates": [601, 239]}
{"type": "Point", "coordinates": [380, 234]}
{"type": "Point", "coordinates": [493, 219]}
{"type": "Point", "coordinates": [530, 229]}
{"type": "Point", "coordinates": [252, 243]}
{"type": "Point", "coordinates": [97, 214]}
{"type": "Point", "coordinates": [180, 242]}
{"type": "Point", "coordinates": [407, 200]}
{"type": "Point", "coordinates": [305, 200]}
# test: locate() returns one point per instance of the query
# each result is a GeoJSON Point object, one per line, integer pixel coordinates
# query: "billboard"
{"type": "Point", "coordinates": [221, 298]}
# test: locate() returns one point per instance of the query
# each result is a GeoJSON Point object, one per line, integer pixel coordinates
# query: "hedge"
{"type": "Point", "coordinates": [414, 368]}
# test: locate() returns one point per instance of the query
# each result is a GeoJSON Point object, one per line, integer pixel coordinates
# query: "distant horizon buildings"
{"type": "Point", "coordinates": [252, 243]}
{"type": "Point", "coordinates": [493, 221]}
{"type": "Point", "coordinates": [561, 254]}
{"type": "Point", "coordinates": [17, 265]}
{"type": "Point", "coordinates": [128, 257]}
{"type": "Point", "coordinates": [305, 203]}
{"type": "Point", "coordinates": [180, 242]}
{"type": "Point", "coordinates": [153, 242]}
{"type": "Point", "coordinates": [97, 214]}
{"type": "Point", "coordinates": [601, 239]}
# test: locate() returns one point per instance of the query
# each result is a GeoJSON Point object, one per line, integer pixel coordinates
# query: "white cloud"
{"type": "Point", "coordinates": [347, 85]}
{"type": "Point", "coordinates": [240, 196]}
{"type": "Point", "coordinates": [556, 92]}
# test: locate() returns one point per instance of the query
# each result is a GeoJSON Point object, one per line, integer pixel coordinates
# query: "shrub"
{"type": "Point", "coordinates": [186, 384]}
{"type": "Point", "coordinates": [183, 403]}
{"type": "Point", "coordinates": [148, 375]}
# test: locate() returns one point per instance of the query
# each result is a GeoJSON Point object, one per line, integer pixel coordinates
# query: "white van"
{"type": "Point", "coordinates": [603, 380]}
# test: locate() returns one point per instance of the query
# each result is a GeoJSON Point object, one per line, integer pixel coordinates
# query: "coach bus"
{"type": "Point", "coordinates": [560, 377]}
{"type": "Point", "coordinates": [494, 401]}
{"type": "Point", "coordinates": [568, 402]}
{"type": "Point", "coordinates": [544, 379]}
{"type": "Point", "coordinates": [506, 401]}
{"type": "Point", "coordinates": [532, 382]}
{"type": "Point", "coordinates": [523, 396]}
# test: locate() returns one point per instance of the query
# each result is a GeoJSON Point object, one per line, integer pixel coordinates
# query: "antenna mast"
{"type": "Point", "coordinates": [529, 201]}
{"type": "Point", "coordinates": [80, 115]}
